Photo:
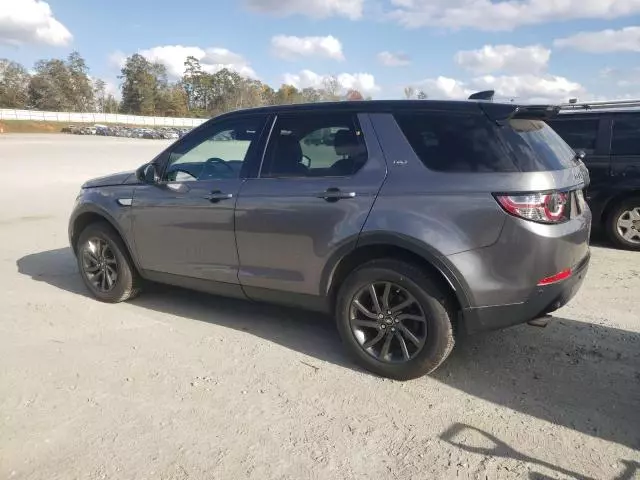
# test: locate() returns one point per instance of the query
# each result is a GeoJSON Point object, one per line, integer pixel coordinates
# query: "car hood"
{"type": "Point", "coordinates": [120, 178]}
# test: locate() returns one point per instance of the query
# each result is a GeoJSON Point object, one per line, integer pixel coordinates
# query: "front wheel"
{"type": "Point", "coordinates": [104, 264]}
{"type": "Point", "coordinates": [394, 320]}
{"type": "Point", "coordinates": [623, 225]}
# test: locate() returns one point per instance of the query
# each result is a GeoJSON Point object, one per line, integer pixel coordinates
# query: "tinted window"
{"type": "Point", "coordinates": [626, 136]}
{"type": "Point", "coordinates": [537, 147]}
{"type": "Point", "coordinates": [315, 145]}
{"type": "Point", "coordinates": [578, 133]}
{"type": "Point", "coordinates": [217, 153]}
{"type": "Point", "coordinates": [472, 143]}
{"type": "Point", "coordinates": [452, 143]}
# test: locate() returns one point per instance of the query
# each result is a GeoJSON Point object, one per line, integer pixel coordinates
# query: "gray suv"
{"type": "Point", "coordinates": [417, 222]}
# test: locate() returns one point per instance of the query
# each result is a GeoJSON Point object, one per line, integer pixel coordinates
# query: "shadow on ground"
{"type": "Point", "coordinates": [474, 440]}
{"type": "Point", "coordinates": [579, 375]}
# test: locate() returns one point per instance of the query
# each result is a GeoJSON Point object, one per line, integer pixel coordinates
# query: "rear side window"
{"type": "Point", "coordinates": [472, 143]}
{"type": "Point", "coordinates": [455, 143]}
{"type": "Point", "coordinates": [626, 136]}
{"type": "Point", "coordinates": [579, 133]}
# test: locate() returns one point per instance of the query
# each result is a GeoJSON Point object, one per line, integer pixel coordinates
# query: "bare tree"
{"type": "Point", "coordinates": [332, 88]}
{"type": "Point", "coordinates": [409, 92]}
{"type": "Point", "coordinates": [99, 92]}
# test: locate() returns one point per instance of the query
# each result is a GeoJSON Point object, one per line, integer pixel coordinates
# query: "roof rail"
{"type": "Point", "coordinates": [600, 105]}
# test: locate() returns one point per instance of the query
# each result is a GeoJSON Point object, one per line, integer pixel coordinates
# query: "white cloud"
{"type": "Point", "coordinates": [622, 78]}
{"type": "Point", "coordinates": [505, 14]}
{"type": "Point", "coordinates": [351, 9]}
{"type": "Point", "coordinates": [363, 82]}
{"type": "Point", "coordinates": [31, 21]}
{"type": "Point", "coordinates": [112, 88]}
{"type": "Point", "coordinates": [444, 88]}
{"type": "Point", "coordinates": [173, 57]}
{"type": "Point", "coordinates": [605, 41]}
{"type": "Point", "coordinates": [506, 58]}
{"type": "Point", "coordinates": [389, 59]}
{"type": "Point", "coordinates": [290, 47]}
{"type": "Point", "coordinates": [527, 88]}
{"type": "Point", "coordinates": [530, 88]}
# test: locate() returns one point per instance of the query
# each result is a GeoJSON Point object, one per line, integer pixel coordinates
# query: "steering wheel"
{"type": "Point", "coordinates": [213, 163]}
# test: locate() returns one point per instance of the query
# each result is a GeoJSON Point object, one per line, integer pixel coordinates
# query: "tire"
{"type": "Point", "coordinates": [430, 301]}
{"type": "Point", "coordinates": [628, 212]}
{"type": "Point", "coordinates": [126, 283]}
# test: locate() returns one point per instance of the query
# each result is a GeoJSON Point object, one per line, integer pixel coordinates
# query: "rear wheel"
{"type": "Point", "coordinates": [623, 224]}
{"type": "Point", "coordinates": [394, 320]}
{"type": "Point", "coordinates": [105, 266]}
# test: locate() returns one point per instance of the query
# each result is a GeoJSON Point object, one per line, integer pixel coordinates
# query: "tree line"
{"type": "Point", "coordinates": [65, 85]}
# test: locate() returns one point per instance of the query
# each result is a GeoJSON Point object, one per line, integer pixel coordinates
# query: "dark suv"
{"type": "Point", "coordinates": [609, 135]}
{"type": "Point", "coordinates": [423, 220]}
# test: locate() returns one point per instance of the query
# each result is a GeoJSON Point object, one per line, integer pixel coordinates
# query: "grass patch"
{"type": "Point", "coordinates": [30, 126]}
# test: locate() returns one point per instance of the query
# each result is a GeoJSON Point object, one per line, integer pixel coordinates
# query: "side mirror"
{"type": "Point", "coordinates": [581, 155]}
{"type": "Point", "coordinates": [147, 173]}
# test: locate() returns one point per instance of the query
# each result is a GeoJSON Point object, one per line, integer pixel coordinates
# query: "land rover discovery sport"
{"type": "Point", "coordinates": [418, 222]}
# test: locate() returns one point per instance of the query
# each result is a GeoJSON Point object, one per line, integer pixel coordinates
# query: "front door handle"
{"type": "Point", "coordinates": [217, 196]}
{"type": "Point", "coordinates": [335, 194]}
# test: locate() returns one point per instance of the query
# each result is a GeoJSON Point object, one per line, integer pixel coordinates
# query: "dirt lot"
{"type": "Point", "coordinates": [176, 385]}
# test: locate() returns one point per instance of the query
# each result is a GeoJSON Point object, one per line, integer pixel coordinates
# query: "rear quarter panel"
{"type": "Point", "coordinates": [456, 216]}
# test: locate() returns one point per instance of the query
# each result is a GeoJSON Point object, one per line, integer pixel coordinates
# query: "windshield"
{"type": "Point", "coordinates": [537, 146]}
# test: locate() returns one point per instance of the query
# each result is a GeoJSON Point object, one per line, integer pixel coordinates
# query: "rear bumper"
{"type": "Point", "coordinates": [541, 301]}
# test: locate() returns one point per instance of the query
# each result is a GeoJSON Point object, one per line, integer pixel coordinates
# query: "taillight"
{"type": "Point", "coordinates": [537, 207]}
{"type": "Point", "coordinates": [558, 277]}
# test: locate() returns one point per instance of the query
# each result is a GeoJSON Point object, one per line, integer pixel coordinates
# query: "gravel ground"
{"type": "Point", "coordinates": [178, 385]}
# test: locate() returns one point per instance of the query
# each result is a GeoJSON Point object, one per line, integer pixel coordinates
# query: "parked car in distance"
{"type": "Point", "coordinates": [415, 227]}
{"type": "Point", "coordinates": [609, 135]}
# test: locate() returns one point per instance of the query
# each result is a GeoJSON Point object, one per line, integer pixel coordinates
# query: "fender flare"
{"type": "Point", "coordinates": [422, 250]}
{"type": "Point", "coordinates": [101, 212]}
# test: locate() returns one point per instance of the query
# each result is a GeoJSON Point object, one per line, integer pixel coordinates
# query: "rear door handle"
{"type": "Point", "coordinates": [217, 196]}
{"type": "Point", "coordinates": [335, 194]}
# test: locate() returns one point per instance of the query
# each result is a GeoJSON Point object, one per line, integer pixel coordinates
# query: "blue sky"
{"type": "Point", "coordinates": [529, 49]}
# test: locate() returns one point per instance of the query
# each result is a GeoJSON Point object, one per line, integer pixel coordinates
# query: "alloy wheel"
{"type": "Point", "coordinates": [388, 322]}
{"type": "Point", "coordinates": [628, 225]}
{"type": "Point", "coordinates": [99, 264]}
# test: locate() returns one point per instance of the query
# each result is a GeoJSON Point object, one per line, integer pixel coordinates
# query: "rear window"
{"type": "Point", "coordinates": [472, 143]}
{"type": "Point", "coordinates": [537, 146]}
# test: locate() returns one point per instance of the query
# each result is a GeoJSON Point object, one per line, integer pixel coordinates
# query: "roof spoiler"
{"type": "Point", "coordinates": [503, 112]}
{"type": "Point", "coordinates": [486, 95]}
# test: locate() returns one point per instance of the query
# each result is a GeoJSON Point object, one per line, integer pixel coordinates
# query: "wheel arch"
{"type": "Point", "coordinates": [615, 200]}
{"type": "Point", "coordinates": [89, 215]}
{"type": "Point", "coordinates": [373, 246]}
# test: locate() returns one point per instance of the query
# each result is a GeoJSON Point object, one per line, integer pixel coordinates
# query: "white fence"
{"type": "Point", "coordinates": [71, 118]}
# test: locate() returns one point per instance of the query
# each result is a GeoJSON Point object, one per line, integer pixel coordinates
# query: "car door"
{"type": "Point", "coordinates": [319, 178]}
{"type": "Point", "coordinates": [625, 150]}
{"type": "Point", "coordinates": [589, 133]}
{"type": "Point", "coordinates": [183, 223]}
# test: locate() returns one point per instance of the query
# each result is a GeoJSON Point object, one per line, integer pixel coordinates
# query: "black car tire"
{"type": "Point", "coordinates": [127, 283]}
{"type": "Point", "coordinates": [612, 224]}
{"type": "Point", "coordinates": [431, 298]}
